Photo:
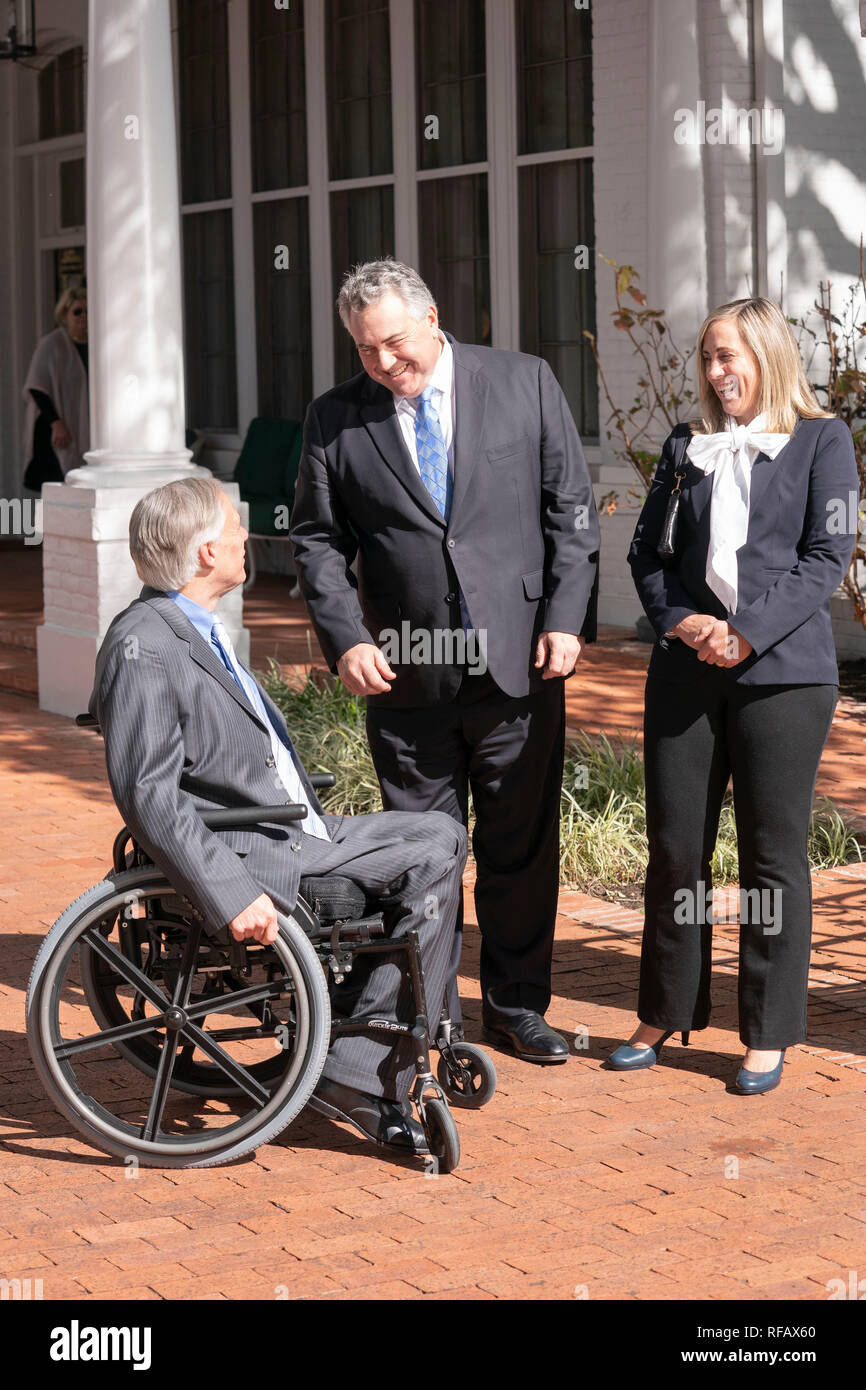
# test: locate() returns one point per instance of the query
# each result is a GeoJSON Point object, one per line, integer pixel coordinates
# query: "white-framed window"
{"type": "Point", "coordinates": [454, 134]}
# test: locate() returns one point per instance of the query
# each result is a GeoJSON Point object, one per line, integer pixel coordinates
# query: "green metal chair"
{"type": "Point", "coordinates": [266, 473]}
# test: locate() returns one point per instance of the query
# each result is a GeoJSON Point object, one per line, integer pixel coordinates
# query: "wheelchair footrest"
{"type": "Point", "coordinates": [359, 929]}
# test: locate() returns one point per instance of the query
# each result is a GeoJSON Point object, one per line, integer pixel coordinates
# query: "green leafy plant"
{"type": "Point", "coordinates": [603, 844]}
{"type": "Point", "coordinates": [664, 380]}
{"type": "Point", "coordinates": [839, 344]}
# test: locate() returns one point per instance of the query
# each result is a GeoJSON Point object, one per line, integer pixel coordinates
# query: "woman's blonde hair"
{"type": "Point", "coordinates": [786, 395]}
{"type": "Point", "coordinates": [66, 301]}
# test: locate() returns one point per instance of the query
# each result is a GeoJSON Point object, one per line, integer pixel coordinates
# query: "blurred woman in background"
{"type": "Point", "coordinates": [57, 425]}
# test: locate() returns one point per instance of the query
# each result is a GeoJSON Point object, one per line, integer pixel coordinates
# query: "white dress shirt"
{"type": "Point", "coordinates": [442, 382]}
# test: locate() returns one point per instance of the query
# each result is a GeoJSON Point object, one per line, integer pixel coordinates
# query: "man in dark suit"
{"type": "Point", "coordinates": [188, 728]}
{"type": "Point", "coordinates": [455, 476]}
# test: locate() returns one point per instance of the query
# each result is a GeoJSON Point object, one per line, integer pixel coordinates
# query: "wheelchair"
{"type": "Point", "coordinates": [205, 1047]}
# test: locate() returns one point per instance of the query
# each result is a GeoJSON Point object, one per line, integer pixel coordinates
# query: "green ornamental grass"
{"type": "Point", "coordinates": [603, 844]}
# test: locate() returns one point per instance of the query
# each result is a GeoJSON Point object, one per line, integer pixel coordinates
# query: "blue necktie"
{"type": "Point", "coordinates": [432, 454]}
{"type": "Point", "coordinates": [288, 774]}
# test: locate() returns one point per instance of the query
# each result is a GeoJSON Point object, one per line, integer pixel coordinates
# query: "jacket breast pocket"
{"type": "Point", "coordinates": [533, 584]}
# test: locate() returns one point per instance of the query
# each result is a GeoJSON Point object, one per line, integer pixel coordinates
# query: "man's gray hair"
{"type": "Point", "coordinates": [167, 527]}
{"type": "Point", "coordinates": [365, 284]}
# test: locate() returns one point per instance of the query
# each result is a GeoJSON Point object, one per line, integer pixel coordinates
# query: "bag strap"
{"type": "Point", "coordinates": [680, 463]}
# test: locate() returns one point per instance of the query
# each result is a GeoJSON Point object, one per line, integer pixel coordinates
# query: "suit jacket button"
{"type": "Point", "coordinates": [270, 761]}
{"type": "Point", "coordinates": [449, 598]}
{"type": "Point", "coordinates": [294, 846]}
{"type": "Point", "coordinates": [451, 545]}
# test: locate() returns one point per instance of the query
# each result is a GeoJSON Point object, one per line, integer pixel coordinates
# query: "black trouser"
{"type": "Point", "coordinates": [768, 738]}
{"type": "Point", "coordinates": [509, 752]}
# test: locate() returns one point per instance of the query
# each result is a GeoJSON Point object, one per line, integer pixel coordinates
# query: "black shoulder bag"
{"type": "Point", "coordinates": [668, 539]}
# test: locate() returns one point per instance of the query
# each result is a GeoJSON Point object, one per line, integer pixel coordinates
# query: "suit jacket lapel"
{"type": "Point", "coordinates": [380, 419]}
{"type": "Point", "coordinates": [470, 402]}
{"type": "Point", "coordinates": [764, 469]}
{"type": "Point", "coordinates": [201, 653]}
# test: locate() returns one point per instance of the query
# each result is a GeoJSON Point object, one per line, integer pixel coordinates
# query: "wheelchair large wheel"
{"type": "Point", "coordinates": [471, 1081]}
{"type": "Point", "coordinates": [126, 1083]}
{"type": "Point", "coordinates": [113, 1001]}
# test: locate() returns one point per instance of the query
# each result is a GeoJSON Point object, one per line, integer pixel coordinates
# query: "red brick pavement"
{"type": "Point", "coordinates": [575, 1181]}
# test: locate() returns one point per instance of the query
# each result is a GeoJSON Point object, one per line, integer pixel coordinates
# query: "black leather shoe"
{"type": "Point", "coordinates": [383, 1121]}
{"type": "Point", "coordinates": [528, 1036]}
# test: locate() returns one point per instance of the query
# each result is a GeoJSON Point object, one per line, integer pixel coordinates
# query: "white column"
{"type": "Point", "coordinates": [134, 293]}
{"type": "Point", "coordinates": [402, 21]}
{"type": "Point", "coordinates": [135, 349]}
{"type": "Point", "coordinates": [676, 223]}
{"type": "Point", "coordinates": [321, 275]}
{"type": "Point", "coordinates": [502, 177]}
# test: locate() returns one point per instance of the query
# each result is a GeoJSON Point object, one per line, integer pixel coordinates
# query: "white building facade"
{"type": "Point", "coordinates": [499, 145]}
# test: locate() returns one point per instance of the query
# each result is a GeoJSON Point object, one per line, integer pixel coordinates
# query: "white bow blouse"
{"type": "Point", "coordinates": [729, 457]}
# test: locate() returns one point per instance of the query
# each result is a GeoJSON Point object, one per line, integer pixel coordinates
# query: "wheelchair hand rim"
{"type": "Point", "coordinates": [83, 1108]}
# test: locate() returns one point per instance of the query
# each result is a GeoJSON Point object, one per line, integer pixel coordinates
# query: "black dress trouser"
{"type": "Point", "coordinates": [768, 739]}
{"type": "Point", "coordinates": [508, 751]}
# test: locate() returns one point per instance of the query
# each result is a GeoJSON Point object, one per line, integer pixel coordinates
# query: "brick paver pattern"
{"type": "Point", "coordinates": [575, 1182]}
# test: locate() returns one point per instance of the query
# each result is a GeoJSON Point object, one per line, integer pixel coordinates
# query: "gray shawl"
{"type": "Point", "coordinates": [57, 369]}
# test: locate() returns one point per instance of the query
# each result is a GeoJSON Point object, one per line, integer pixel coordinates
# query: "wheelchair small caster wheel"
{"type": "Point", "coordinates": [467, 1076]}
{"type": "Point", "coordinates": [440, 1130]}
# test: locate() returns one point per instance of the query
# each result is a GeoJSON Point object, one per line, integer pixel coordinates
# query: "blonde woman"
{"type": "Point", "coordinates": [57, 425]}
{"type": "Point", "coordinates": [742, 682]}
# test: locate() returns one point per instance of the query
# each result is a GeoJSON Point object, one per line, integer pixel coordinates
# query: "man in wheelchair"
{"type": "Point", "coordinates": [188, 730]}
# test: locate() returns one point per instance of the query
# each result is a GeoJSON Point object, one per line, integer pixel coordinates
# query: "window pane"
{"type": "Point", "coordinates": [209, 307]}
{"type": "Point", "coordinates": [205, 159]}
{"type": "Point", "coordinates": [555, 75]}
{"type": "Point", "coordinates": [362, 229]}
{"type": "Point", "coordinates": [72, 193]}
{"type": "Point", "coordinates": [61, 95]}
{"type": "Point", "coordinates": [282, 272]}
{"type": "Point", "coordinates": [278, 95]}
{"type": "Point", "coordinates": [557, 300]}
{"type": "Point", "coordinates": [359, 88]}
{"type": "Point", "coordinates": [455, 253]}
{"type": "Point", "coordinates": [451, 82]}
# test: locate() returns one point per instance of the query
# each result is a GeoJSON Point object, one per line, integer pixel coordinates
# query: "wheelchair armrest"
{"type": "Point", "coordinates": [253, 815]}
{"type": "Point", "coordinates": [322, 779]}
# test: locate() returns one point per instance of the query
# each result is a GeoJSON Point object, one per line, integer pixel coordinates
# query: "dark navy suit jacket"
{"type": "Point", "coordinates": [522, 538]}
{"type": "Point", "coordinates": [793, 560]}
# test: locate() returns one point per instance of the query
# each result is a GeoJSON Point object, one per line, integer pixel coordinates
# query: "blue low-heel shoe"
{"type": "Point", "coordinates": [627, 1058]}
{"type": "Point", "coordinates": [755, 1083]}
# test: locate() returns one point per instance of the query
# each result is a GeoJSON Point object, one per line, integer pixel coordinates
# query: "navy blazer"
{"type": "Point", "coordinates": [521, 541]}
{"type": "Point", "coordinates": [793, 560]}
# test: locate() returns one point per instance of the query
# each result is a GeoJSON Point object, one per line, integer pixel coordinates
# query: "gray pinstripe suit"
{"type": "Point", "coordinates": [180, 736]}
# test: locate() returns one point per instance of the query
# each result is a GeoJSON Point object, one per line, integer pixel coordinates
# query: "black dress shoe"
{"type": "Point", "coordinates": [383, 1121]}
{"type": "Point", "coordinates": [528, 1036]}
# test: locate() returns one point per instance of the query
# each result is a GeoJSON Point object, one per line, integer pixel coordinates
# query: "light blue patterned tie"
{"type": "Point", "coordinates": [287, 772]}
{"type": "Point", "coordinates": [432, 454]}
